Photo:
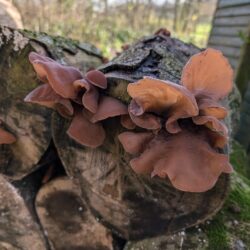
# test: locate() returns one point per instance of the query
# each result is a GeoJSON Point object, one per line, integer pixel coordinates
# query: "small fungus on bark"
{"type": "Point", "coordinates": [6, 137]}
{"type": "Point", "coordinates": [58, 76]}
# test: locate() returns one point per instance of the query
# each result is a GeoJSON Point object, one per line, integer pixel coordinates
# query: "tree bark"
{"type": "Point", "coordinates": [66, 219]}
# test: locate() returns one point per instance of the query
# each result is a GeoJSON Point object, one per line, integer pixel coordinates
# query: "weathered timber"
{"type": "Point", "coordinates": [18, 229]}
{"type": "Point", "coordinates": [30, 123]}
{"type": "Point", "coordinates": [133, 206]}
{"type": "Point", "coordinates": [67, 221]}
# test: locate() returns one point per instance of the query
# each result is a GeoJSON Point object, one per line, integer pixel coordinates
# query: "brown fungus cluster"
{"type": "Point", "coordinates": [186, 132]}
{"type": "Point", "coordinates": [181, 128]}
{"type": "Point", "coordinates": [74, 95]}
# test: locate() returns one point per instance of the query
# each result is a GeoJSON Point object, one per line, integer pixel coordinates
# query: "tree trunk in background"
{"type": "Point", "coordinates": [123, 201]}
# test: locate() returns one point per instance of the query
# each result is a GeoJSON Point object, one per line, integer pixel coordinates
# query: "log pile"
{"type": "Point", "coordinates": [56, 194]}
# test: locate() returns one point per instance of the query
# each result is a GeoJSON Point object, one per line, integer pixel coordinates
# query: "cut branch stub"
{"type": "Point", "coordinates": [18, 230]}
{"type": "Point", "coordinates": [29, 123]}
{"type": "Point", "coordinates": [66, 219]}
{"type": "Point", "coordinates": [135, 206]}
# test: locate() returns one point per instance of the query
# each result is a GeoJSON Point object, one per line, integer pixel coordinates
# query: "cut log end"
{"type": "Point", "coordinates": [67, 221]}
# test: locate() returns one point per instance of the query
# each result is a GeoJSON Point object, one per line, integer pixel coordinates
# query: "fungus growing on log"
{"type": "Point", "coordinates": [203, 84]}
{"type": "Point", "coordinates": [177, 120]}
{"type": "Point", "coordinates": [109, 107]}
{"type": "Point", "coordinates": [66, 90]}
{"type": "Point", "coordinates": [58, 76]}
{"type": "Point", "coordinates": [186, 158]}
{"type": "Point", "coordinates": [90, 97]}
{"type": "Point", "coordinates": [163, 98]}
{"type": "Point", "coordinates": [84, 131]}
{"type": "Point", "coordinates": [209, 76]}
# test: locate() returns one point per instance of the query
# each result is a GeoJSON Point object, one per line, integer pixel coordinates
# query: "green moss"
{"type": "Point", "coordinates": [238, 158]}
{"type": "Point", "coordinates": [217, 234]}
{"type": "Point", "coordinates": [233, 221]}
{"type": "Point", "coordinates": [19, 72]}
{"type": "Point", "coordinates": [240, 199]}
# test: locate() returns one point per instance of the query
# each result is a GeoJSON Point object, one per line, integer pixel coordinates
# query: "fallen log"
{"type": "Point", "coordinates": [31, 123]}
{"type": "Point", "coordinates": [136, 206]}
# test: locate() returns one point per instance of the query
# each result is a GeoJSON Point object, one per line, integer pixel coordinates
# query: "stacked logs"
{"type": "Point", "coordinates": [40, 207]}
{"type": "Point", "coordinates": [54, 192]}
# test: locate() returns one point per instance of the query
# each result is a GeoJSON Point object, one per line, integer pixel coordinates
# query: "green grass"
{"type": "Point", "coordinates": [221, 231]}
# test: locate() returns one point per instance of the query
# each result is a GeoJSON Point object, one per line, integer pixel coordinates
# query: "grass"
{"type": "Point", "coordinates": [233, 221]}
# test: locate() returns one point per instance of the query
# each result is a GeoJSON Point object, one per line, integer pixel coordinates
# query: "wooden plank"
{"type": "Point", "coordinates": [232, 21]}
{"type": "Point", "coordinates": [228, 51]}
{"type": "Point", "coordinates": [226, 41]}
{"type": "Point", "coordinates": [229, 3]}
{"type": "Point", "coordinates": [233, 11]}
{"type": "Point", "coordinates": [228, 31]}
{"type": "Point", "coordinates": [234, 63]}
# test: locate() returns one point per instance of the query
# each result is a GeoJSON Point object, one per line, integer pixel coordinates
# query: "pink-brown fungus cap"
{"type": "Point", "coordinates": [212, 123]}
{"type": "Point", "coordinates": [146, 121]}
{"type": "Point", "coordinates": [85, 132]}
{"type": "Point", "coordinates": [97, 78]}
{"type": "Point", "coordinates": [208, 73]}
{"type": "Point", "coordinates": [133, 143]}
{"type": "Point", "coordinates": [90, 97]}
{"type": "Point", "coordinates": [157, 96]}
{"type": "Point", "coordinates": [127, 122]}
{"type": "Point", "coordinates": [109, 107]}
{"type": "Point", "coordinates": [215, 139]}
{"type": "Point", "coordinates": [185, 158]}
{"type": "Point", "coordinates": [209, 107]}
{"type": "Point", "coordinates": [46, 96]}
{"type": "Point", "coordinates": [58, 76]}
